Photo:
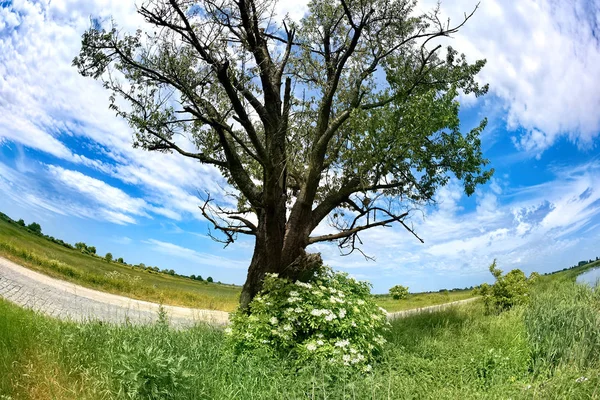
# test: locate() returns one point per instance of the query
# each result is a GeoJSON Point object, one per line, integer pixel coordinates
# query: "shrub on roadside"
{"type": "Point", "coordinates": [332, 317]}
{"type": "Point", "coordinates": [509, 290]}
{"type": "Point", "coordinates": [35, 228]}
{"type": "Point", "coordinates": [399, 292]}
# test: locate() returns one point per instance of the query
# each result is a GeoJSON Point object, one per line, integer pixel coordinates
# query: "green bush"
{"type": "Point", "coordinates": [330, 318]}
{"type": "Point", "coordinates": [35, 228]}
{"type": "Point", "coordinates": [399, 292]}
{"type": "Point", "coordinates": [108, 257]}
{"type": "Point", "coordinates": [509, 290]}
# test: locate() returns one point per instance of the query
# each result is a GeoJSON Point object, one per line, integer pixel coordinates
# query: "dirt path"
{"type": "Point", "coordinates": [437, 307]}
{"type": "Point", "coordinates": [66, 300]}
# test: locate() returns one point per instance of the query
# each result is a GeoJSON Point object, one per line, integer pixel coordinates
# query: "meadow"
{"type": "Point", "coordinates": [548, 349]}
{"type": "Point", "coordinates": [419, 300]}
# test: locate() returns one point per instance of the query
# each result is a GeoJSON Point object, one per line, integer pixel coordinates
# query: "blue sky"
{"type": "Point", "coordinates": [66, 161]}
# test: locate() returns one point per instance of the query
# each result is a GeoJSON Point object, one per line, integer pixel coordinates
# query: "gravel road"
{"type": "Point", "coordinates": [438, 307]}
{"type": "Point", "coordinates": [69, 301]}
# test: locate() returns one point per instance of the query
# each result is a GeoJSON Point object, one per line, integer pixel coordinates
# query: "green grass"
{"type": "Point", "coordinates": [44, 256]}
{"type": "Point", "coordinates": [547, 350]}
{"type": "Point", "coordinates": [418, 300]}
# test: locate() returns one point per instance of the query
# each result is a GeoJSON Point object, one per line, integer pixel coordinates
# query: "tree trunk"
{"type": "Point", "coordinates": [270, 235]}
{"type": "Point", "coordinates": [277, 252]}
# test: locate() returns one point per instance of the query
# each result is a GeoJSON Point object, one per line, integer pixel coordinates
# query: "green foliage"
{"type": "Point", "coordinates": [108, 257]}
{"type": "Point", "coordinates": [330, 318]}
{"type": "Point", "coordinates": [209, 279]}
{"type": "Point", "coordinates": [399, 292]}
{"type": "Point", "coordinates": [150, 373]}
{"type": "Point", "coordinates": [534, 277]}
{"type": "Point", "coordinates": [120, 260]}
{"type": "Point", "coordinates": [84, 248]}
{"type": "Point", "coordinates": [35, 228]}
{"type": "Point", "coordinates": [508, 290]}
{"type": "Point", "coordinates": [21, 222]}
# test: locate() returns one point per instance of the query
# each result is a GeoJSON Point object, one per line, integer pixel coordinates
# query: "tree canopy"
{"type": "Point", "coordinates": [348, 116]}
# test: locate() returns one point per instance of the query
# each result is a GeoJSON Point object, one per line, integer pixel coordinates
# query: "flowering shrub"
{"type": "Point", "coordinates": [399, 292]}
{"type": "Point", "coordinates": [332, 317]}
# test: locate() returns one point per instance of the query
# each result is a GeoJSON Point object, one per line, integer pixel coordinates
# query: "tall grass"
{"type": "Point", "coordinates": [563, 327]}
{"type": "Point", "coordinates": [541, 351]}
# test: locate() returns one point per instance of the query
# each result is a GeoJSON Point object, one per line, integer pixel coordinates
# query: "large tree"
{"type": "Point", "coordinates": [348, 116]}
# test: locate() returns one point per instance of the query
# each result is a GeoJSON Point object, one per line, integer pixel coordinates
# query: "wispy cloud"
{"type": "Point", "coordinates": [543, 58]}
{"type": "Point", "coordinates": [194, 256]}
{"type": "Point", "coordinates": [43, 113]}
{"type": "Point", "coordinates": [529, 229]}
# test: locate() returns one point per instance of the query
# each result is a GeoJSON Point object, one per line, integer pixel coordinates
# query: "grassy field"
{"type": "Point", "coordinates": [418, 300]}
{"type": "Point", "coordinates": [44, 256]}
{"type": "Point", "coordinates": [457, 353]}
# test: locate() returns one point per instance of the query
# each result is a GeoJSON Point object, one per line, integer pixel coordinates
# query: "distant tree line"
{"type": "Point", "coordinates": [36, 229]}
{"type": "Point", "coordinates": [579, 264]}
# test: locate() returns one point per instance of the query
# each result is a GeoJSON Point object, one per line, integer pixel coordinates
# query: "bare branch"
{"type": "Point", "coordinates": [222, 225]}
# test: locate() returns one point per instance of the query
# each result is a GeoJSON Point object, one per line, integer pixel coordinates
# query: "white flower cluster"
{"type": "Point", "coordinates": [330, 318]}
{"type": "Point", "coordinates": [303, 284]}
{"type": "Point", "coordinates": [294, 297]}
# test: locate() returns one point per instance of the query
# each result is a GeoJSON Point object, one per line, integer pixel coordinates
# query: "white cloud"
{"type": "Point", "coordinates": [99, 192]}
{"type": "Point", "coordinates": [536, 228]}
{"type": "Point", "coordinates": [195, 256]}
{"type": "Point", "coordinates": [67, 192]}
{"type": "Point", "coordinates": [42, 103]}
{"type": "Point", "coordinates": [543, 60]}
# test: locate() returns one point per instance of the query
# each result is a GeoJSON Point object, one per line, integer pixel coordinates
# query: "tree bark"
{"type": "Point", "coordinates": [280, 251]}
